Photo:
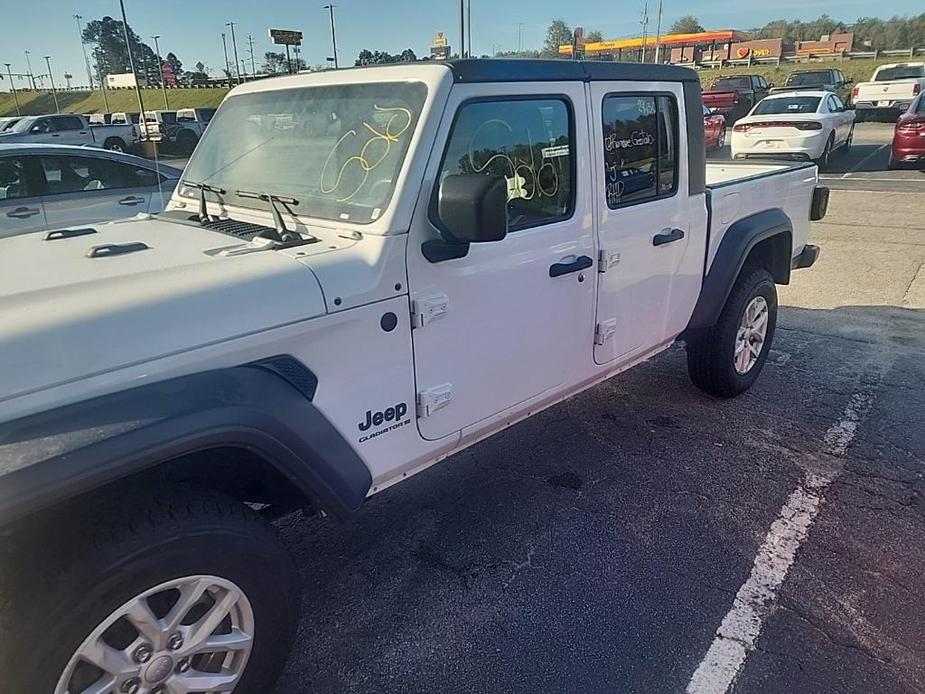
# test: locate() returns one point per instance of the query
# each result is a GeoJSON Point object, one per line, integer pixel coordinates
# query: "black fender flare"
{"type": "Point", "coordinates": [738, 241]}
{"type": "Point", "coordinates": [61, 453]}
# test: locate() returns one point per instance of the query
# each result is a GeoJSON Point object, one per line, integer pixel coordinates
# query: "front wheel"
{"type": "Point", "coordinates": [727, 358]}
{"type": "Point", "coordinates": [160, 592]}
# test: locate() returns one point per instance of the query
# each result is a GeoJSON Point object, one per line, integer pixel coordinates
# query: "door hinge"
{"type": "Point", "coordinates": [604, 331]}
{"type": "Point", "coordinates": [428, 309]}
{"type": "Point", "coordinates": [607, 259]}
{"type": "Point", "coordinates": [433, 399]}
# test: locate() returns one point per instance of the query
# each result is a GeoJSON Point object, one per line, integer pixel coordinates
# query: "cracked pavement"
{"type": "Point", "coordinates": [597, 546]}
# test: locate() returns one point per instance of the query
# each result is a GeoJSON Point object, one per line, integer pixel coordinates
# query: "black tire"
{"type": "Point", "coordinates": [825, 160]}
{"type": "Point", "coordinates": [186, 143]}
{"type": "Point", "coordinates": [892, 163]}
{"type": "Point", "coordinates": [115, 144]}
{"type": "Point", "coordinates": [710, 351]}
{"type": "Point", "coordinates": [58, 582]}
{"type": "Point", "coordinates": [845, 148]}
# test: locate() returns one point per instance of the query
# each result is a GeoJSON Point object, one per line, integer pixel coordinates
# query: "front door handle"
{"type": "Point", "coordinates": [23, 212]}
{"type": "Point", "coordinates": [582, 262]}
{"type": "Point", "coordinates": [667, 236]}
{"type": "Point", "coordinates": [131, 200]}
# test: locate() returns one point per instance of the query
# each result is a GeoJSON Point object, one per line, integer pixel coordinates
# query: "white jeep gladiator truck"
{"type": "Point", "coordinates": [891, 90]}
{"type": "Point", "coordinates": [70, 129]}
{"type": "Point", "coordinates": [364, 272]}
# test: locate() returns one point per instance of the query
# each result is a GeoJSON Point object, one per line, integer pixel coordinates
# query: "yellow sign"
{"type": "Point", "coordinates": [440, 39]}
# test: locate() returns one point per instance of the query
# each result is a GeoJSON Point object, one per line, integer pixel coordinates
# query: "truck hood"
{"type": "Point", "coordinates": [65, 315]}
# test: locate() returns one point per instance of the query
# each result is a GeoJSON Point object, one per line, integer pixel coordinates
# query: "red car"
{"type": "Point", "coordinates": [714, 129]}
{"type": "Point", "coordinates": [909, 136]}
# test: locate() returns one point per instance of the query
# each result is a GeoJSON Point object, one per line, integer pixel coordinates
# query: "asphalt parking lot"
{"type": "Point", "coordinates": [600, 546]}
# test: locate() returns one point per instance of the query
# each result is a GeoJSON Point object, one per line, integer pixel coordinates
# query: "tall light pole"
{"type": "Point", "coordinates": [160, 67]}
{"type": "Point", "coordinates": [54, 92]}
{"type": "Point", "coordinates": [520, 37]}
{"type": "Point", "coordinates": [645, 29]}
{"type": "Point", "coordinates": [250, 42]}
{"type": "Point", "coordinates": [29, 65]}
{"type": "Point", "coordinates": [131, 64]}
{"type": "Point", "coordinates": [234, 44]}
{"type": "Point", "coordinates": [225, 49]}
{"type": "Point", "coordinates": [462, 28]}
{"type": "Point", "coordinates": [13, 88]}
{"type": "Point", "coordinates": [658, 34]}
{"type": "Point", "coordinates": [469, 28]}
{"type": "Point", "coordinates": [330, 9]}
{"type": "Point", "coordinates": [83, 47]}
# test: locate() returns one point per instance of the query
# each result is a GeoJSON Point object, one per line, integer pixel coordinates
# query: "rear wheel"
{"type": "Point", "coordinates": [727, 358]}
{"type": "Point", "coordinates": [826, 157]}
{"type": "Point", "coordinates": [157, 593]}
{"type": "Point", "coordinates": [721, 140]}
{"type": "Point", "coordinates": [114, 144]}
{"type": "Point", "coordinates": [847, 146]}
{"type": "Point", "coordinates": [186, 143]}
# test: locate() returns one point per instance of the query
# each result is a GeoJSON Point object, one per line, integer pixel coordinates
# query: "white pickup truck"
{"type": "Point", "coordinates": [70, 129]}
{"type": "Point", "coordinates": [891, 90]}
{"type": "Point", "coordinates": [365, 272]}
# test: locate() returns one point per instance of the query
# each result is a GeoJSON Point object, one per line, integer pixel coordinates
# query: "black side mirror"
{"type": "Point", "coordinates": [472, 208]}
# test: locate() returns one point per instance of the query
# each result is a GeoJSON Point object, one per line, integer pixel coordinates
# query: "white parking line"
{"type": "Point", "coordinates": [741, 626]}
{"type": "Point", "coordinates": [865, 160]}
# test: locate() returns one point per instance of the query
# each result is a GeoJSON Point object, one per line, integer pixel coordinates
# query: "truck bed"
{"type": "Point", "coordinates": [736, 190]}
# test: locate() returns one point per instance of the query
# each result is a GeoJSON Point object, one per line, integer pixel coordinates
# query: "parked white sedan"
{"type": "Point", "coordinates": [795, 125]}
{"type": "Point", "coordinates": [50, 186]}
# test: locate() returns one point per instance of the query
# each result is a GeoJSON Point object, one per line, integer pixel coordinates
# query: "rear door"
{"type": "Point", "coordinates": [21, 209]}
{"type": "Point", "coordinates": [69, 130]}
{"type": "Point", "coordinates": [651, 232]}
{"type": "Point", "coordinates": [85, 189]}
{"type": "Point", "coordinates": [516, 315]}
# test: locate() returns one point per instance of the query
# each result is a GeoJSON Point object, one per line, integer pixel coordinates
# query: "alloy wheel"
{"type": "Point", "coordinates": [750, 337]}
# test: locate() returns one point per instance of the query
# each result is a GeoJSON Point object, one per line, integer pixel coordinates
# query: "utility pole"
{"type": "Point", "coordinates": [520, 37]}
{"type": "Point", "coordinates": [244, 69]}
{"type": "Point", "coordinates": [225, 49]}
{"type": "Point", "coordinates": [54, 92]}
{"type": "Point", "coordinates": [131, 64]}
{"type": "Point", "coordinates": [99, 74]}
{"type": "Point", "coordinates": [250, 41]}
{"type": "Point", "coordinates": [645, 30]}
{"type": "Point", "coordinates": [160, 66]}
{"type": "Point", "coordinates": [83, 47]}
{"type": "Point", "coordinates": [468, 28]}
{"type": "Point", "coordinates": [330, 9]}
{"type": "Point", "coordinates": [234, 45]}
{"type": "Point", "coordinates": [658, 35]}
{"type": "Point", "coordinates": [29, 65]}
{"type": "Point", "coordinates": [462, 28]}
{"type": "Point", "coordinates": [13, 88]}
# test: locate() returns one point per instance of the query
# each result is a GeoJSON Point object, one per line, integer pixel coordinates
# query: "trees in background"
{"type": "Point", "coordinates": [276, 64]}
{"type": "Point", "coordinates": [883, 34]}
{"type": "Point", "coordinates": [111, 55]}
{"type": "Point", "coordinates": [688, 24]}
{"type": "Point", "coordinates": [368, 57]}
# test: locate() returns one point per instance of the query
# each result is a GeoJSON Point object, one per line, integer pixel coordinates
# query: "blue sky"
{"type": "Point", "coordinates": [192, 28]}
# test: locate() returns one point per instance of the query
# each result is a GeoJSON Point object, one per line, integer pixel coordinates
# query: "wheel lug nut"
{"type": "Point", "coordinates": [142, 654]}
{"type": "Point", "coordinates": [175, 642]}
{"type": "Point", "coordinates": [183, 666]}
{"type": "Point", "coordinates": [131, 686]}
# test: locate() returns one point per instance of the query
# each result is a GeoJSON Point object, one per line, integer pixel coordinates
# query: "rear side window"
{"type": "Point", "coordinates": [529, 143]}
{"type": "Point", "coordinates": [640, 142]}
{"type": "Point", "coordinates": [67, 123]}
{"type": "Point", "coordinates": [13, 178]}
{"type": "Point", "coordinates": [77, 174]}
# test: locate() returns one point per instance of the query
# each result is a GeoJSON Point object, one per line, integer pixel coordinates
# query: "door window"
{"type": "Point", "coordinates": [13, 178]}
{"type": "Point", "coordinates": [640, 148]}
{"type": "Point", "coordinates": [76, 174]}
{"type": "Point", "coordinates": [529, 143]}
{"type": "Point", "coordinates": [837, 103]}
{"type": "Point", "coordinates": [67, 123]}
{"type": "Point", "coordinates": [41, 127]}
{"type": "Point", "coordinates": [136, 176]}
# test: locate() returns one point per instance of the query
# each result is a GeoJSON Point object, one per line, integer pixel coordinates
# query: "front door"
{"type": "Point", "coordinates": [516, 315]}
{"type": "Point", "coordinates": [652, 232]}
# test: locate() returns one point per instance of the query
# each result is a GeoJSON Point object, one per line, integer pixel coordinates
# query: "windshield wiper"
{"type": "Point", "coordinates": [283, 235]}
{"type": "Point", "coordinates": [204, 217]}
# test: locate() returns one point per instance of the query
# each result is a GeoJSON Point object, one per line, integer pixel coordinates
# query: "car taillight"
{"type": "Point", "coordinates": [740, 128]}
{"type": "Point", "coordinates": [917, 89]}
{"type": "Point", "coordinates": [799, 125]}
{"type": "Point", "coordinates": [855, 92]}
{"type": "Point", "coordinates": [807, 125]}
{"type": "Point", "coordinates": [913, 125]}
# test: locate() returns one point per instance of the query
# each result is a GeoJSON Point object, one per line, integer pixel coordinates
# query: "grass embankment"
{"type": "Point", "coordinates": [34, 103]}
{"type": "Point", "coordinates": [858, 70]}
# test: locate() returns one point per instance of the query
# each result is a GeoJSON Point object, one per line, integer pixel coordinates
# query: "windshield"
{"type": "Point", "coordinates": [9, 124]}
{"type": "Point", "coordinates": [731, 84]}
{"type": "Point", "coordinates": [336, 149]}
{"type": "Point", "coordinates": [787, 104]}
{"type": "Point", "coordinates": [900, 72]}
{"type": "Point", "coordinates": [186, 116]}
{"type": "Point", "coordinates": [800, 78]}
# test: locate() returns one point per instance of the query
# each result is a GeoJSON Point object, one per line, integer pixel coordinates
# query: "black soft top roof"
{"type": "Point", "coordinates": [516, 70]}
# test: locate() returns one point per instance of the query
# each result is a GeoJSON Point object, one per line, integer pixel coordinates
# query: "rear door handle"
{"type": "Point", "coordinates": [582, 262]}
{"type": "Point", "coordinates": [23, 212]}
{"type": "Point", "coordinates": [131, 200]}
{"type": "Point", "coordinates": [667, 236]}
